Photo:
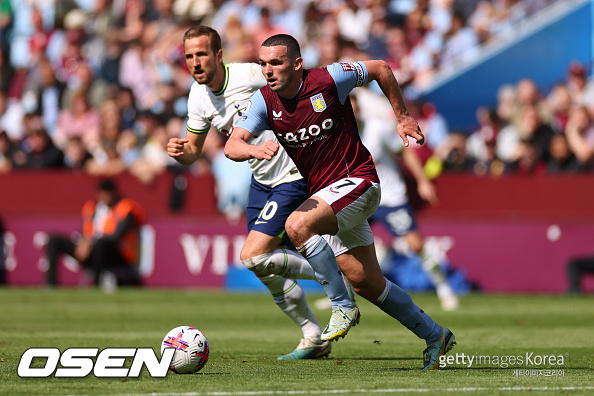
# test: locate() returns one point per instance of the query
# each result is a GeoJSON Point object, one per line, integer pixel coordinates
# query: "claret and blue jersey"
{"type": "Point", "coordinates": [317, 127]}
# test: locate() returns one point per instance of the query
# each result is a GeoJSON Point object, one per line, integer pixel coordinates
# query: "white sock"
{"type": "Point", "coordinates": [283, 262]}
{"type": "Point", "coordinates": [433, 271]}
{"type": "Point", "coordinates": [289, 297]}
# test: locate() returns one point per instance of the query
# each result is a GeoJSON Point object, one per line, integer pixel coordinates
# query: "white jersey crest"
{"type": "Point", "coordinates": [223, 109]}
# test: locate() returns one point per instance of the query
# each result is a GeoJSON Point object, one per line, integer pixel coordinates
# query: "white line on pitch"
{"type": "Point", "coordinates": [367, 391]}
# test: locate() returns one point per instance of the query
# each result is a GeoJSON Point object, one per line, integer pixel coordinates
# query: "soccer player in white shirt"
{"type": "Point", "coordinates": [395, 212]}
{"type": "Point", "coordinates": [218, 98]}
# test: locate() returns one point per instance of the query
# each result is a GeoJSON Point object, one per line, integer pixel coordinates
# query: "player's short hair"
{"type": "Point", "coordinates": [293, 49]}
{"type": "Point", "coordinates": [201, 30]}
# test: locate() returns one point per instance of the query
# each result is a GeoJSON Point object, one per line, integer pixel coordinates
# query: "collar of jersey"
{"type": "Point", "coordinates": [226, 81]}
{"type": "Point", "coordinates": [296, 93]}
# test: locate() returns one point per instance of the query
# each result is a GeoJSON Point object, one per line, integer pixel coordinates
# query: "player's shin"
{"type": "Point", "coordinates": [283, 262]}
{"type": "Point", "coordinates": [447, 296]}
{"type": "Point", "coordinates": [289, 297]}
{"type": "Point", "coordinates": [398, 304]}
{"type": "Point", "coordinates": [321, 257]}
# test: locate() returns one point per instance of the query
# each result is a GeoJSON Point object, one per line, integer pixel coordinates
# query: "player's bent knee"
{"type": "Point", "coordinates": [258, 264]}
{"type": "Point", "coordinates": [297, 230]}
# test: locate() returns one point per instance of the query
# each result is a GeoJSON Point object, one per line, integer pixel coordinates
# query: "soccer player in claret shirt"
{"type": "Point", "coordinates": [311, 114]}
{"type": "Point", "coordinates": [217, 99]}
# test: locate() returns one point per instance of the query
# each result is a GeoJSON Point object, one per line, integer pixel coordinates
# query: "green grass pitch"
{"type": "Point", "coordinates": [247, 332]}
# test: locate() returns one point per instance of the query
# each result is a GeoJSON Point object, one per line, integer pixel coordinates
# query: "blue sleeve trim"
{"type": "Point", "coordinates": [255, 119]}
{"type": "Point", "coordinates": [348, 76]}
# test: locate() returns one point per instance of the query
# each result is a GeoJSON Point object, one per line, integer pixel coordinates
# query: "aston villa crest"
{"type": "Point", "coordinates": [318, 103]}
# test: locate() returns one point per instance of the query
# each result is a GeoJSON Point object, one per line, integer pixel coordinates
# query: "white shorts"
{"type": "Point", "coordinates": [353, 201]}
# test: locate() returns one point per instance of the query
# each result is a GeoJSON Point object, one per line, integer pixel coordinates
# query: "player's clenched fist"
{"type": "Point", "coordinates": [266, 150]}
{"type": "Point", "coordinates": [175, 147]}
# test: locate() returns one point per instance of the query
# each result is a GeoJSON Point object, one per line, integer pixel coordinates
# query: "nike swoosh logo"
{"type": "Point", "coordinates": [261, 222]}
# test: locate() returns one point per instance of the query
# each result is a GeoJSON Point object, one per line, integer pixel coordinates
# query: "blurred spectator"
{"type": "Point", "coordinates": [164, 14]}
{"type": "Point", "coordinates": [506, 15]}
{"type": "Point", "coordinates": [101, 20]}
{"type": "Point", "coordinates": [134, 74]}
{"type": "Point", "coordinates": [153, 159]}
{"type": "Point", "coordinates": [289, 15]}
{"type": "Point", "coordinates": [6, 72]}
{"type": "Point", "coordinates": [398, 48]}
{"type": "Point", "coordinates": [84, 80]}
{"type": "Point", "coordinates": [126, 102]}
{"type": "Point", "coordinates": [581, 90]}
{"type": "Point", "coordinates": [354, 21]}
{"type": "Point", "coordinates": [79, 120]}
{"type": "Point", "coordinates": [527, 160]}
{"type": "Point", "coordinates": [580, 135]}
{"type": "Point", "coordinates": [23, 28]}
{"type": "Point", "coordinates": [11, 117]}
{"type": "Point", "coordinates": [7, 148]}
{"type": "Point", "coordinates": [265, 29]}
{"type": "Point", "coordinates": [506, 99]}
{"type": "Point", "coordinates": [76, 154]}
{"type": "Point", "coordinates": [40, 37]}
{"type": "Point", "coordinates": [561, 159]}
{"type": "Point", "coordinates": [416, 23]}
{"type": "Point", "coordinates": [109, 67]}
{"type": "Point", "coordinates": [247, 13]}
{"type": "Point", "coordinates": [65, 47]}
{"type": "Point", "coordinates": [460, 42]}
{"type": "Point", "coordinates": [528, 93]}
{"type": "Point", "coordinates": [455, 157]}
{"type": "Point", "coordinates": [440, 13]}
{"type": "Point", "coordinates": [43, 94]}
{"type": "Point", "coordinates": [131, 24]}
{"type": "Point", "coordinates": [106, 160]}
{"type": "Point", "coordinates": [560, 102]}
{"type": "Point", "coordinates": [480, 144]}
{"type": "Point", "coordinates": [329, 49]}
{"type": "Point", "coordinates": [481, 20]}
{"type": "Point", "coordinates": [37, 150]}
{"type": "Point", "coordinates": [528, 134]}
{"type": "Point", "coordinates": [234, 39]}
{"type": "Point", "coordinates": [434, 128]}
{"type": "Point", "coordinates": [109, 244]}
{"type": "Point", "coordinates": [376, 43]}
{"type": "Point", "coordinates": [5, 25]}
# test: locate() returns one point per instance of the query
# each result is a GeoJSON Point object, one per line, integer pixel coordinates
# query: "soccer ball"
{"type": "Point", "coordinates": [191, 349]}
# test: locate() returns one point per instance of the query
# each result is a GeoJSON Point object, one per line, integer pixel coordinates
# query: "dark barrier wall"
{"type": "Point", "coordinates": [508, 234]}
{"type": "Point", "coordinates": [543, 56]}
{"type": "Point", "coordinates": [48, 193]}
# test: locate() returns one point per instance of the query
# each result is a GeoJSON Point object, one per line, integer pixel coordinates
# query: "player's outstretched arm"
{"type": "Point", "coordinates": [186, 151]}
{"type": "Point", "coordinates": [239, 149]}
{"type": "Point", "coordinates": [381, 72]}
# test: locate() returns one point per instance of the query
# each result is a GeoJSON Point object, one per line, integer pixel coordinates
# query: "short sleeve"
{"type": "Point", "coordinates": [197, 123]}
{"type": "Point", "coordinates": [255, 119]}
{"type": "Point", "coordinates": [348, 76]}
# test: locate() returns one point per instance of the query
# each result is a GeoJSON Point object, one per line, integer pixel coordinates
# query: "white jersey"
{"type": "Point", "coordinates": [223, 109]}
{"type": "Point", "coordinates": [380, 137]}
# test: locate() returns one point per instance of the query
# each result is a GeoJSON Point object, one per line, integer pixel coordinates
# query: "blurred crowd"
{"type": "Point", "coordinates": [99, 86]}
